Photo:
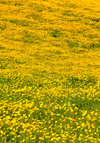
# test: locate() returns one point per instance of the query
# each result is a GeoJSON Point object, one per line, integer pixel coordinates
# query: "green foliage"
{"type": "Point", "coordinates": [55, 33]}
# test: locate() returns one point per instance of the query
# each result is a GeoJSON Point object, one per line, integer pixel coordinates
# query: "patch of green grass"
{"type": "Point", "coordinates": [76, 82]}
{"type": "Point", "coordinates": [72, 5]}
{"type": "Point", "coordinates": [19, 62]}
{"type": "Point", "coordinates": [2, 27]}
{"type": "Point", "coordinates": [93, 46]}
{"type": "Point", "coordinates": [11, 85]}
{"type": "Point", "coordinates": [2, 47]}
{"type": "Point", "coordinates": [58, 52]}
{"type": "Point", "coordinates": [77, 19]}
{"type": "Point", "coordinates": [3, 2]}
{"type": "Point", "coordinates": [18, 4]}
{"type": "Point", "coordinates": [31, 38]}
{"type": "Point", "coordinates": [69, 13]}
{"type": "Point", "coordinates": [66, 12]}
{"type": "Point", "coordinates": [4, 19]}
{"type": "Point", "coordinates": [72, 44]}
{"type": "Point", "coordinates": [55, 33]}
{"type": "Point", "coordinates": [96, 19]}
{"type": "Point", "coordinates": [20, 22]}
{"type": "Point", "coordinates": [3, 65]}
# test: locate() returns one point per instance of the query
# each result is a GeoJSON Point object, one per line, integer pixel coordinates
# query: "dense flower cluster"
{"type": "Point", "coordinates": [49, 71]}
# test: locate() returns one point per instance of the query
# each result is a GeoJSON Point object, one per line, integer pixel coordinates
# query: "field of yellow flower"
{"type": "Point", "coordinates": [49, 71]}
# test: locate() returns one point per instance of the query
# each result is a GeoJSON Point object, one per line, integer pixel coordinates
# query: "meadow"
{"type": "Point", "coordinates": [49, 71]}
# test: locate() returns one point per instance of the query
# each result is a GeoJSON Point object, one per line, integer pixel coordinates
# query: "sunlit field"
{"type": "Point", "coordinates": [49, 71]}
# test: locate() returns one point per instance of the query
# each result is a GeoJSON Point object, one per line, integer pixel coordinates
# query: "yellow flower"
{"type": "Point", "coordinates": [83, 125]}
{"type": "Point", "coordinates": [81, 135]}
{"type": "Point", "coordinates": [99, 140]}
{"type": "Point", "coordinates": [53, 138]}
{"type": "Point", "coordinates": [1, 132]}
{"type": "Point", "coordinates": [92, 112]}
{"type": "Point", "coordinates": [89, 130]}
{"type": "Point", "coordinates": [78, 127]}
{"type": "Point", "coordinates": [76, 108]}
{"type": "Point", "coordinates": [88, 116]}
{"type": "Point", "coordinates": [58, 114]}
{"type": "Point", "coordinates": [33, 138]}
{"type": "Point", "coordinates": [86, 130]}
{"type": "Point", "coordinates": [71, 110]}
{"type": "Point", "coordinates": [69, 104]}
{"type": "Point", "coordinates": [79, 138]}
{"type": "Point", "coordinates": [47, 136]}
{"type": "Point", "coordinates": [84, 113]}
{"type": "Point", "coordinates": [92, 126]}
{"type": "Point", "coordinates": [41, 138]}
{"type": "Point", "coordinates": [58, 138]}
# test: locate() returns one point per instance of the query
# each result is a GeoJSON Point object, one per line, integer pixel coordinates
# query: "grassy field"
{"type": "Point", "coordinates": [49, 71]}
